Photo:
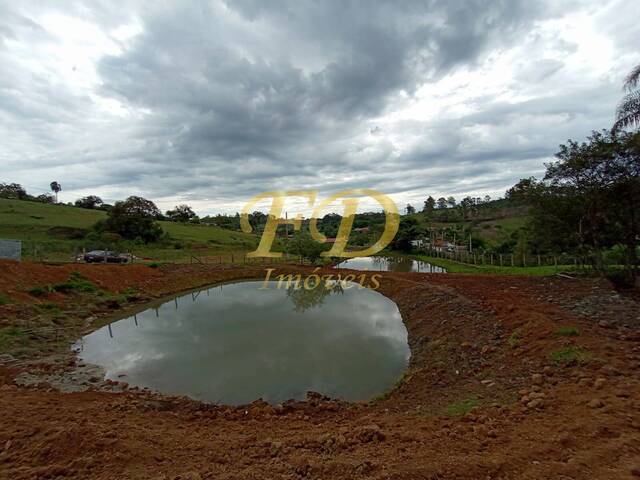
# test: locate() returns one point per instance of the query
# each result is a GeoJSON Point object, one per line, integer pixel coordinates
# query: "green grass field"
{"type": "Point", "coordinates": [44, 230]}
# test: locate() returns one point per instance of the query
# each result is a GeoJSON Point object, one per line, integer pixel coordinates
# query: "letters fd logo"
{"type": "Point", "coordinates": [350, 204]}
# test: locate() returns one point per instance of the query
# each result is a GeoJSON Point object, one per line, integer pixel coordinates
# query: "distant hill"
{"type": "Point", "coordinates": [58, 230]}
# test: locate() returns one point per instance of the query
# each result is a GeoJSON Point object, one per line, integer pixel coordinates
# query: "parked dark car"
{"type": "Point", "coordinates": [102, 256]}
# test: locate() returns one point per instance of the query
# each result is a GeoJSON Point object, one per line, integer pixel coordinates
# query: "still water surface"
{"type": "Point", "coordinates": [390, 264]}
{"type": "Point", "coordinates": [235, 343]}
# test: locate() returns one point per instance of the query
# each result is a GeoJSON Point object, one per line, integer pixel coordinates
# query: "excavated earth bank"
{"type": "Point", "coordinates": [510, 378]}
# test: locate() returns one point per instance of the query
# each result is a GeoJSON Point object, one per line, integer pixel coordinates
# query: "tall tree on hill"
{"type": "Point", "coordinates": [55, 188]}
{"type": "Point", "coordinates": [441, 203]}
{"type": "Point", "coordinates": [429, 205]}
{"type": "Point", "coordinates": [410, 210]}
{"type": "Point", "coordinates": [451, 202]}
{"type": "Point", "coordinates": [628, 112]}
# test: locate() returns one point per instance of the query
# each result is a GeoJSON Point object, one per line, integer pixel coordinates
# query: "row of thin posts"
{"type": "Point", "coordinates": [508, 259]}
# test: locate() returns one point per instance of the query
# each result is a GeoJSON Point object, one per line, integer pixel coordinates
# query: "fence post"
{"type": "Point", "coordinates": [500, 259]}
{"type": "Point", "coordinates": [539, 264]}
{"type": "Point", "coordinates": [512, 262]}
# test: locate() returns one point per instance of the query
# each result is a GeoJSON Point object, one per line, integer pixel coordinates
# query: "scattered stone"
{"type": "Point", "coordinates": [536, 403]}
{"type": "Point", "coordinates": [369, 433]}
{"type": "Point", "coordinates": [604, 324]}
{"type": "Point", "coordinates": [596, 403]}
{"type": "Point", "coordinates": [599, 383]}
{"type": "Point", "coordinates": [537, 379]}
{"type": "Point", "coordinates": [623, 393]}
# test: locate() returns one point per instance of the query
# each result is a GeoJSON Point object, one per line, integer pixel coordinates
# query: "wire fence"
{"type": "Point", "coordinates": [511, 259]}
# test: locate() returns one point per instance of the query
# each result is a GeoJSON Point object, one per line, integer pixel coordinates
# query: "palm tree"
{"type": "Point", "coordinates": [628, 112]}
{"type": "Point", "coordinates": [55, 187]}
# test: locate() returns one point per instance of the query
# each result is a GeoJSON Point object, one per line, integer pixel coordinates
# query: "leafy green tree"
{"type": "Point", "coordinates": [90, 202]}
{"type": "Point", "coordinates": [410, 209]}
{"type": "Point", "coordinates": [441, 203]}
{"type": "Point", "coordinates": [181, 213]}
{"type": "Point", "coordinates": [133, 219]}
{"type": "Point", "coordinates": [303, 244]}
{"type": "Point", "coordinates": [408, 230]}
{"type": "Point", "coordinates": [13, 190]}
{"type": "Point", "coordinates": [429, 205]}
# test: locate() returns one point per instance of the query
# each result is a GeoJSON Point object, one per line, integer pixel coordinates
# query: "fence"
{"type": "Point", "coordinates": [511, 259]}
{"type": "Point", "coordinates": [51, 252]}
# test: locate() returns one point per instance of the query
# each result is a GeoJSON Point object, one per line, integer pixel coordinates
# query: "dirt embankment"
{"type": "Point", "coordinates": [510, 378]}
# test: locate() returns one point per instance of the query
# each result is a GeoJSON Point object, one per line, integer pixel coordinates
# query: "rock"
{"type": "Point", "coordinates": [604, 324]}
{"type": "Point", "coordinates": [623, 393]}
{"type": "Point", "coordinates": [537, 379]}
{"type": "Point", "coordinates": [536, 403]}
{"type": "Point", "coordinates": [369, 433]}
{"type": "Point", "coordinates": [596, 403]}
{"type": "Point", "coordinates": [599, 383]}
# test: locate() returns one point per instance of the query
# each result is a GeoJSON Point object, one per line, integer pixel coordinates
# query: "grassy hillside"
{"type": "Point", "coordinates": [55, 232]}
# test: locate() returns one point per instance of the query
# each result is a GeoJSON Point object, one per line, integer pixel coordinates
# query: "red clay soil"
{"type": "Point", "coordinates": [487, 339]}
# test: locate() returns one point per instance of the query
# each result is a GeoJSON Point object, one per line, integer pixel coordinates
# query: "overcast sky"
{"type": "Point", "coordinates": [209, 103]}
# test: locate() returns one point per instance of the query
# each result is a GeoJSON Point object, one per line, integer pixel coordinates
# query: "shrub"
{"type": "Point", "coordinates": [37, 291]}
{"type": "Point", "coordinates": [567, 332]}
{"type": "Point", "coordinates": [571, 355]}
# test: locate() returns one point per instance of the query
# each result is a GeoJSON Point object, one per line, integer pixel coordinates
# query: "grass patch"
{"type": "Point", "coordinates": [514, 340]}
{"type": "Point", "coordinates": [4, 300]}
{"type": "Point", "coordinates": [462, 407]}
{"type": "Point", "coordinates": [37, 291]}
{"type": "Point", "coordinates": [9, 336]}
{"type": "Point", "coordinates": [570, 355]}
{"type": "Point", "coordinates": [76, 283]}
{"type": "Point", "coordinates": [567, 332]}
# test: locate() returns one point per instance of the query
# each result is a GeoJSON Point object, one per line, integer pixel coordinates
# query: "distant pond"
{"type": "Point", "coordinates": [236, 343]}
{"type": "Point", "coordinates": [390, 264]}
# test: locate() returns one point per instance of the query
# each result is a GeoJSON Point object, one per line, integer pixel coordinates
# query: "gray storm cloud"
{"type": "Point", "coordinates": [217, 101]}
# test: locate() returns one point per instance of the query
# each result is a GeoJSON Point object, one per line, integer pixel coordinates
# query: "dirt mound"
{"type": "Point", "coordinates": [16, 278]}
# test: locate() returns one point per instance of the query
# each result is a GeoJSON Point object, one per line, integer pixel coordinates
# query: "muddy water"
{"type": "Point", "coordinates": [390, 264]}
{"type": "Point", "coordinates": [235, 343]}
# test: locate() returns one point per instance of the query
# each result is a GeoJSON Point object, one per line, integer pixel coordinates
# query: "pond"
{"type": "Point", "coordinates": [390, 264]}
{"type": "Point", "coordinates": [236, 343]}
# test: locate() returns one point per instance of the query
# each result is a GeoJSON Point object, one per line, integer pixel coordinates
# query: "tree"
{"type": "Point", "coordinates": [91, 202]}
{"type": "Point", "coordinates": [451, 202]}
{"type": "Point", "coordinates": [55, 188]}
{"type": "Point", "coordinates": [628, 111]}
{"type": "Point", "coordinates": [410, 210]}
{"type": "Point", "coordinates": [12, 190]}
{"type": "Point", "coordinates": [303, 244]}
{"type": "Point", "coordinates": [45, 198]}
{"type": "Point", "coordinates": [429, 204]}
{"type": "Point", "coordinates": [407, 231]}
{"type": "Point", "coordinates": [181, 213]}
{"type": "Point", "coordinates": [133, 219]}
{"type": "Point", "coordinates": [441, 203]}
{"type": "Point", "coordinates": [138, 206]}
{"type": "Point", "coordinates": [589, 199]}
